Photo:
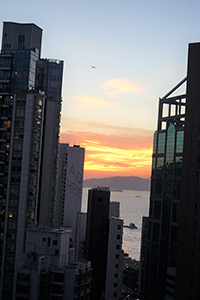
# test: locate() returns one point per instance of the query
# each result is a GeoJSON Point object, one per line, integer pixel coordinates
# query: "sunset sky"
{"type": "Point", "coordinates": [139, 49]}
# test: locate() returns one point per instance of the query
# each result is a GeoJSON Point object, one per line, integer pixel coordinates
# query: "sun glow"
{"type": "Point", "coordinates": [104, 157]}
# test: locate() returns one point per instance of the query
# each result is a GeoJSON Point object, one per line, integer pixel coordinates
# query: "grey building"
{"type": "Point", "coordinates": [22, 142]}
{"type": "Point", "coordinates": [49, 80]}
{"type": "Point", "coordinates": [170, 245]}
{"type": "Point", "coordinates": [18, 36]}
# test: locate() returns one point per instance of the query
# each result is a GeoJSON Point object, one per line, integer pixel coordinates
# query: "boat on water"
{"type": "Point", "coordinates": [131, 226]}
{"type": "Point", "coordinates": [137, 196]}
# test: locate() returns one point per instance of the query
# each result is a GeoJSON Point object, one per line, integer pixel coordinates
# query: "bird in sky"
{"type": "Point", "coordinates": [93, 67]}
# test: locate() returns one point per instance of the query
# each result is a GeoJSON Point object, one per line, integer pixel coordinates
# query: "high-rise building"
{"type": "Point", "coordinates": [170, 246]}
{"type": "Point", "coordinates": [69, 186]}
{"type": "Point", "coordinates": [104, 244]}
{"type": "Point", "coordinates": [49, 79]}
{"type": "Point", "coordinates": [23, 140]}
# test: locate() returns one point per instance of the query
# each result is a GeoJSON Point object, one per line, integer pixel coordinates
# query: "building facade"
{"type": "Point", "coordinates": [170, 247]}
{"type": "Point", "coordinates": [47, 272]}
{"type": "Point", "coordinates": [49, 80]}
{"type": "Point", "coordinates": [104, 245]}
{"type": "Point", "coordinates": [22, 132]}
{"type": "Point", "coordinates": [69, 186]}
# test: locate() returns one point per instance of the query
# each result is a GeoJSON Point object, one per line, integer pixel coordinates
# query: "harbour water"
{"type": "Point", "coordinates": [133, 206]}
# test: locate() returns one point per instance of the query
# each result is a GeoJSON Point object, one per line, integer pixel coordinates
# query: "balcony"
{"type": "Point", "coordinates": [5, 80]}
{"type": "Point", "coordinates": [21, 296]}
{"type": "Point", "coordinates": [54, 294]}
{"type": "Point", "coordinates": [53, 282]}
{"type": "Point", "coordinates": [5, 68]}
{"type": "Point", "coordinates": [22, 282]}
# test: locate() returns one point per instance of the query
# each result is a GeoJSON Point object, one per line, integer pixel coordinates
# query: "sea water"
{"type": "Point", "coordinates": [133, 206]}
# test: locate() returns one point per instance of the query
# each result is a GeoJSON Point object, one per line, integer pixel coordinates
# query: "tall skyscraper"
{"type": "Point", "coordinates": [49, 79]}
{"type": "Point", "coordinates": [24, 113]}
{"type": "Point", "coordinates": [170, 246]}
{"type": "Point", "coordinates": [104, 244]}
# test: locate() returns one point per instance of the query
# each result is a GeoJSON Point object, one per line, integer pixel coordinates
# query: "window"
{"type": "Point", "coordinates": [161, 142]}
{"type": "Point", "coordinates": [20, 111]}
{"type": "Point", "coordinates": [44, 239]}
{"type": "Point", "coordinates": [116, 275]}
{"type": "Point", "coordinates": [116, 266]}
{"type": "Point", "coordinates": [21, 38]}
{"type": "Point", "coordinates": [117, 256]}
{"type": "Point", "coordinates": [179, 141]}
{"type": "Point", "coordinates": [6, 124]}
{"type": "Point", "coordinates": [119, 227]}
{"type": "Point", "coordinates": [157, 210]}
{"type": "Point", "coordinates": [114, 294]}
{"type": "Point", "coordinates": [117, 246]}
{"type": "Point", "coordinates": [118, 236]}
{"type": "Point", "coordinates": [156, 232]}
{"type": "Point", "coordinates": [49, 242]}
{"type": "Point", "coordinates": [55, 242]}
{"type": "Point", "coordinates": [115, 284]}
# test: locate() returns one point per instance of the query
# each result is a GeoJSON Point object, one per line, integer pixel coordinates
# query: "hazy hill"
{"type": "Point", "coordinates": [118, 182]}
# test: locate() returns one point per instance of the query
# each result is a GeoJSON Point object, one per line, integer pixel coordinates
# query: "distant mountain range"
{"type": "Point", "coordinates": [120, 183]}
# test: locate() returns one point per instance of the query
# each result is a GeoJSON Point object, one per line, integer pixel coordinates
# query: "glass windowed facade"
{"type": "Point", "coordinates": [162, 228]}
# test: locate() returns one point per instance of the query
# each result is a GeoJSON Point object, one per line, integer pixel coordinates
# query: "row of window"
{"type": "Point", "coordinates": [48, 240]}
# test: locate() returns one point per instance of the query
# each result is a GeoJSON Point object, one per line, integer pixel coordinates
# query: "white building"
{"type": "Point", "coordinates": [114, 271]}
{"type": "Point", "coordinates": [48, 272]}
{"type": "Point", "coordinates": [69, 186]}
{"type": "Point", "coordinates": [51, 242]}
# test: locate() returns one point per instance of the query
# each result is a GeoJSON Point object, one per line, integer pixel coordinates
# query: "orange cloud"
{"type": "Point", "coordinates": [115, 86]}
{"type": "Point", "coordinates": [92, 100]}
{"type": "Point", "coordinates": [107, 133]}
{"type": "Point", "coordinates": [112, 155]}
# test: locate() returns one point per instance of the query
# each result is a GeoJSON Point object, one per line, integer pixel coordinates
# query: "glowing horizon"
{"type": "Point", "coordinates": [108, 155]}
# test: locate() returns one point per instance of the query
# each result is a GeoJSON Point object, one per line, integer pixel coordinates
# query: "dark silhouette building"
{"type": "Point", "coordinates": [104, 244]}
{"type": "Point", "coordinates": [97, 238]}
{"type": "Point", "coordinates": [29, 127]}
{"type": "Point", "coordinates": [170, 242]}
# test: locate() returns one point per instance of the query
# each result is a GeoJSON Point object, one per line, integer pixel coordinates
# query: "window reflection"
{"type": "Point", "coordinates": [160, 164]}
{"type": "Point", "coordinates": [154, 141]}
{"type": "Point", "coordinates": [170, 149]}
{"type": "Point", "coordinates": [179, 141]}
{"type": "Point", "coordinates": [158, 187]}
{"type": "Point", "coordinates": [153, 166]}
{"type": "Point", "coordinates": [178, 165]}
{"type": "Point", "coordinates": [161, 142]}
